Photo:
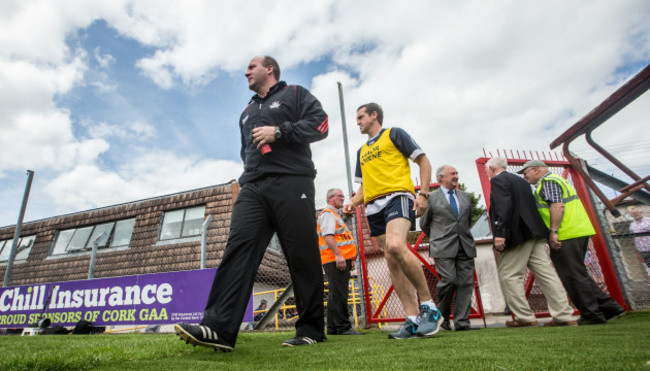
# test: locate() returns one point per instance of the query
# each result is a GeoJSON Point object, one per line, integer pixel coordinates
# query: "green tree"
{"type": "Point", "coordinates": [477, 210]}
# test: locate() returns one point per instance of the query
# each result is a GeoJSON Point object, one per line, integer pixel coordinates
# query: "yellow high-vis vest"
{"type": "Point", "coordinates": [575, 222]}
{"type": "Point", "coordinates": [380, 161]}
{"type": "Point", "coordinates": [343, 237]}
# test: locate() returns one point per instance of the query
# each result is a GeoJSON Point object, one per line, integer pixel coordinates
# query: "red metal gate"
{"type": "Point", "coordinates": [381, 305]}
{"type": "Point", "coordinates": [597, 260]}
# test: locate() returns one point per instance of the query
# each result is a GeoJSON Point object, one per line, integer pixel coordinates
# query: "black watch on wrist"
{"type": "Point", "coordinates": [277, 133]}
{"type": "Point", "coordinates": [425, 195]}
{"type": "Point", "coordinates": [552, 231]}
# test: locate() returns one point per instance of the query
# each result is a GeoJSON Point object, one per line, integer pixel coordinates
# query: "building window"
{"type": "Point", "coordinates": [123, 231]}
{"type": "Point", "coordinates": [23, 248]}
{"type": "Point", "coordinates": [79, 239]}
{"type": "Point", "coordinates": [112, 234]}
{"type": "Point", "coordinates": [182, 223]}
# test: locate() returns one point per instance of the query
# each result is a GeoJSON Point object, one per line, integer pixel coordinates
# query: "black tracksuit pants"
{"type": "Point", "coordinates": [594, 305]}
{"type": "Point", "coordinates": [283, 204]}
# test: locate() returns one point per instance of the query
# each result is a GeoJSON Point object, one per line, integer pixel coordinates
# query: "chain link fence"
{"type": "Point", "coordinates": [536, 296]}
{"type": "Point", "coordinates": [273, 280]}
{"type": "Point", "coordinates": [372, 299]}
{"type": "Point", "coordinates": [622, 248]}
{"type": "Point", "coordinates": [383, 303]}
{"type": "Point", "coordinates": [629, 237]}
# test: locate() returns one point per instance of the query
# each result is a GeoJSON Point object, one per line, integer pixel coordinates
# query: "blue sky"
{"type": "Point", "coordinates": [177, 113]}
{"type": "Point", "coordinates": [116, 101]}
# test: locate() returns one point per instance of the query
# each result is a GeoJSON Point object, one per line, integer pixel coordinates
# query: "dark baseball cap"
{"type": "Point", "coordinates": [531, 163]}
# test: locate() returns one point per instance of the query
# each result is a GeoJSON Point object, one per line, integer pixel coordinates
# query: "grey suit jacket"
{"type": "Point", "coordinates": [446, 233]}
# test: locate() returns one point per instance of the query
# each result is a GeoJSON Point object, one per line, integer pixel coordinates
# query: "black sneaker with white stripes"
{"type": "Point", "coordinates": [299, 340]}
{"type": "Point", "coordinates": [201, 335]}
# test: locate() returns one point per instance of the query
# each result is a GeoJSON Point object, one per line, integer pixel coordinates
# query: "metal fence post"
{"type": "Point", "coordinates": [21, 215]}
{"type": "Point", "coordinates": [93, 257]}
{"type": "Point", "coordinates": [348, 174]}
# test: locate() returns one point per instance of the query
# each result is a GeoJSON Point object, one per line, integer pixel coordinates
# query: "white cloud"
{"type": "Point", "coordinates": [104, 59]}
{"type": "Point", "coordinates": [136, 130]}
{"type": "Point", "coordinates": [151, 174]}
{"type": "Point", "coordinates": [458, 76]}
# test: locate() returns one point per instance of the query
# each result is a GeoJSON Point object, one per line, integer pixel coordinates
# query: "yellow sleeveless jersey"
{"type": "Point", "coordinates": [384, 169]}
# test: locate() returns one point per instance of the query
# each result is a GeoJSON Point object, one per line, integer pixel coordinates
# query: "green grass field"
{"type": "Point", "coordinates": [622, 344]}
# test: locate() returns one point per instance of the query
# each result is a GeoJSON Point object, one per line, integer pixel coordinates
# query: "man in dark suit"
{"type": "Point", "coordinates": [520, 237]}
{"type": "Point", "coordinates": [447, 222]}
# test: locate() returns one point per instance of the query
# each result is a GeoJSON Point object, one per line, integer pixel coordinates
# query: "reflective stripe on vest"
{"type": "Point", "coordinates": [565, 200]}
{"type": "Point", "coordinates": [575, 222]}
{"type": "Point", "coordinates": [343, 238]}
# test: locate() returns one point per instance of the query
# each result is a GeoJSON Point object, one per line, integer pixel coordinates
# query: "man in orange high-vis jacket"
{"type": "Point", "coordinates": [337, 253]}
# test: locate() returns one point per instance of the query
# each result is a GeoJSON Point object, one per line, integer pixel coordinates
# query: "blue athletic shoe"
{"type": "Point", "coordinates": [406, 331]}
{"type": "Point", "coordinates": [430, 320]}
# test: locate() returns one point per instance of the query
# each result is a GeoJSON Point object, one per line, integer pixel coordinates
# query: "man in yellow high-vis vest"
{"type": "Point", "coordinates": [569, 232]}
{"type": "Point", "coordinates": [337, 253]}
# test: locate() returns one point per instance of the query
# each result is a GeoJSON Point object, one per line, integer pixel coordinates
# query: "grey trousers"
{"type": "Point", "coordinates": [456, 275]}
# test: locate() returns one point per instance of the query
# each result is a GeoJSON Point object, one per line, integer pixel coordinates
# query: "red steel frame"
{"type": "Point", "coordinates": [597, 240]}
{"type": "Point", "coordinates": [627, 93]}
{"type": "Point", "coordinates": [373, 317]}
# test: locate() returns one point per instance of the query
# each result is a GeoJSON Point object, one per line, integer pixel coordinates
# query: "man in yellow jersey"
{"type": "Point", "coordinates": [569, 232]}
{"type": "Point", "coordinates": [391, 207]}
{"type": "Point", "coordinates": [337, 254]}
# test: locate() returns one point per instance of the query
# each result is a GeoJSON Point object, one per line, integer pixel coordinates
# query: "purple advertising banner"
{"type": "Point", "coordinates": [161, 298]}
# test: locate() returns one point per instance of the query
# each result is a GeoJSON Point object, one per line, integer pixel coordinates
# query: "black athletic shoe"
{"type": "Point", "coordinates": [614, 315]}
{"type": "Point", "coordinates": [299, 340]}
{"type": "Point", "coordinates": [201, 335]}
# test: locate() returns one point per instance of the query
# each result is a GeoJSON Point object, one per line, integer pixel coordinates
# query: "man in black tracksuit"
{"type": "Point", "coordinates": [276, 195]}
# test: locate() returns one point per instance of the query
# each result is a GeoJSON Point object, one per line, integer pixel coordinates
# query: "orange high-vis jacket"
{"type": "Point", "coordinates": [343, 237]}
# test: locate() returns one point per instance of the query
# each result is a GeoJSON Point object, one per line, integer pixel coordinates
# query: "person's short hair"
{"type": "Point", "coordinates": [497, 163]}
{"type": "Point", "coordinates": [330, 193]}
{"type": "Point", "coordinates": [374, 107]}
{"type": "Point", "coordinates": [440, 170]}
{"type": "Point", "coordinates": [270, 61]}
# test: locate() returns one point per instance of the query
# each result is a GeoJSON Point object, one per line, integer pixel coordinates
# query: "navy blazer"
{"type": "Point", "coordinates": [513, 210]}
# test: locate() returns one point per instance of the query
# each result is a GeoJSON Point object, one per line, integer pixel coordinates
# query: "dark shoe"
{"type": "Point", "coordinates": [406, 331]}
{"type": "Point", "coordinates": [445, 326]}
{"type": "Point", "coordinates": [350, 332]}
{"type": "Point", "coordinates": [615, 315]}
{"type": "Point", "coordinates": [515, 323]}
{"type": "Point", "coordinates": [299, 340]}
{"type": "Point", "coordinates": [430, 320]}
{"type": "Point", "coordinates": [201, 335]}
{"type": "Point", "coordinates": [590, 321]}
{"type": "Point", "coordinates": [467, 328]}
{"type": "Point", "coordinates": [554, 323]}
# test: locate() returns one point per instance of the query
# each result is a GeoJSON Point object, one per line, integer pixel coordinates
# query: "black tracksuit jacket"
{"type": "Point", "coordinates": [301, 120]}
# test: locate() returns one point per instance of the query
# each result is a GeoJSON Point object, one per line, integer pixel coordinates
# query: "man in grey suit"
{"type": "Point", "coordinates": [447, 222]}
